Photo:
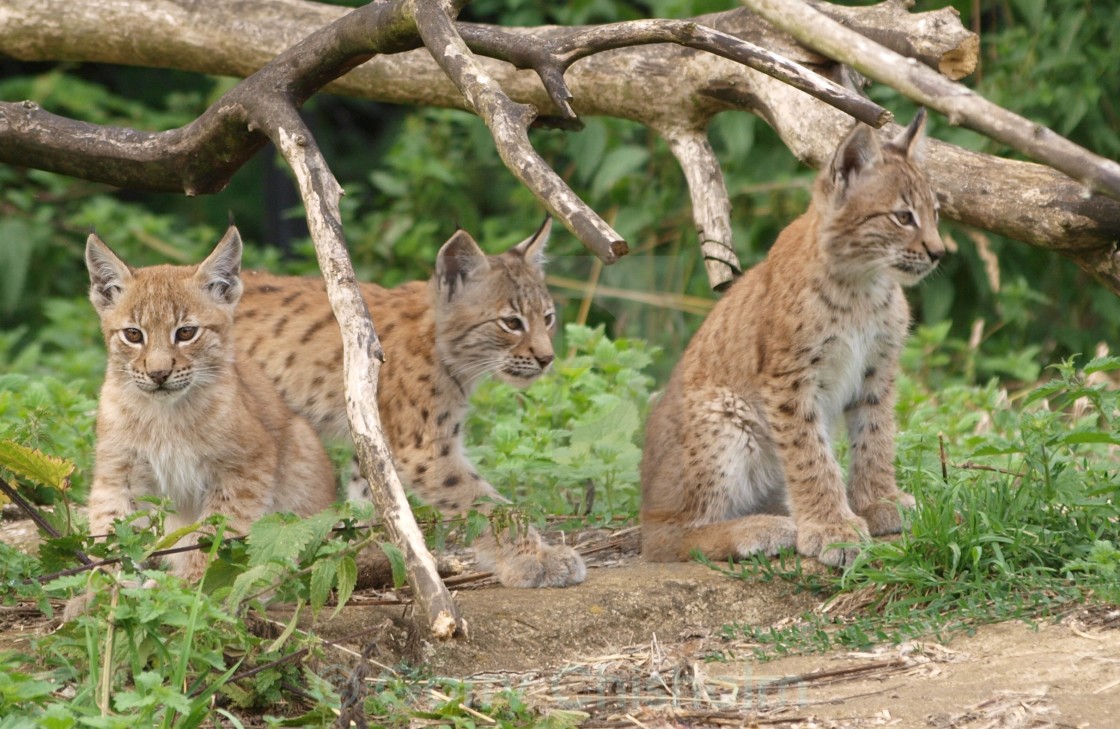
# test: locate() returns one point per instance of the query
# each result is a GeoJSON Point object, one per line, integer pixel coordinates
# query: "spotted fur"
{"type": "Point", "coordinates": [477, 315]}
{"type": "Point", "coordinates": [739, 448]}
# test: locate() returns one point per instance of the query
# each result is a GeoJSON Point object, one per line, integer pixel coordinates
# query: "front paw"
{"type": "Point", "coordinates": [540, 565]}
{"type": "Point", "coordinates": [884, 517]}
{"type": "Point", "coordinates": [816, 540]}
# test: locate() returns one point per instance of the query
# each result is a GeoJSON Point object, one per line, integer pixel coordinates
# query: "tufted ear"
{"type": "Point", "coordinates": [458, 260]}
{"type": "Point", "coordinates": [108, 274]}
{"type": "Point", "coordinates": [532, 248]}
{"type": "Point", "coordinates": [219, 275]}
{"type": "Point", "coordinates": [858, 152]}
{"type": "Point", "coordinates": [911, 139]}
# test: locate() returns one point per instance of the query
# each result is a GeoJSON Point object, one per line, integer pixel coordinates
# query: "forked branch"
{"type": "Point", "coordinates": [958, 103]}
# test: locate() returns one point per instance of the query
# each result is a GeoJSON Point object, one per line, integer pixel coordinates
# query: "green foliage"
{"type": "Point", "coordinates": [1016, 513]}
{"type": "Point", "coordinates": [571, 434]}
{"type": "Point", "coordinates": [162, 648]}
{"type": "Point", "coordinates": [49, 417]}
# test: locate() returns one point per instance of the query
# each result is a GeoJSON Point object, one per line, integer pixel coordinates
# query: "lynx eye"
{"type": "Point", "coordinates": [132, 335]}
{"type": "Point", "coordinates": [549, 319]}
{"type": "Point", "coordinates": [185, 334]}
{"type": "Point", "coordinates": [512, 323]}
{"type": "Point", "coordinates": [905, 218]}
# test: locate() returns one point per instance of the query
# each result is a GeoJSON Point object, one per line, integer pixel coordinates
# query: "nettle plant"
{"type": "Point", "coordinates": [570, 443]}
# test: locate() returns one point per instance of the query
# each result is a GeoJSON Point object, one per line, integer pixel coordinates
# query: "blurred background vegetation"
{"type": "Point", "coordinates": [998, 308]}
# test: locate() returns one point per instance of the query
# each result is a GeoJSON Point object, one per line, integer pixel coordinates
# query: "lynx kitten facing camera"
{"type": "Point", "coordinates": [180, 415]}
{"type": "Point", "coordinates": [739, 455]}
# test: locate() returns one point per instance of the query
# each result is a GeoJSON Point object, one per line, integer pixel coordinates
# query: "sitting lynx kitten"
{"type": "Point", "coordinates": [738, 454]}
{"type": "Point", "coordinates": [180, 416]}
{"type": "Point", "coordinates": [478, 314]}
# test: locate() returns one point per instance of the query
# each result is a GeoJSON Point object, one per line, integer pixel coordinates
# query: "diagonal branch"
{"type": "Point", "coordinates": [362, 357]}
{"type": "Point", "coordinates": [508, 122]}
{"type": "Point", "coordinates": [960, 104]}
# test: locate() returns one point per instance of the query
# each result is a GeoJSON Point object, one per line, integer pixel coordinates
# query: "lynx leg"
{"type": "Point", "coordinates": [755, 534]}
{"type": "Point", "coordinates": [872, 491]}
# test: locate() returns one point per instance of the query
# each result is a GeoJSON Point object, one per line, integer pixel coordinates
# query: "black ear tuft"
{"type": "Point", "coordinates": [532, 248]}
{"type": "Point", "coordinates": [911, 139]}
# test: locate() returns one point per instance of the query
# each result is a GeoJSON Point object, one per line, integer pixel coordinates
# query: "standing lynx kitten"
{"type": "Point", "coordinates": [738, 456]}
{"type": "Point", "coordinates": [478, 314]}
{"type": "Point", "coordinates": [180, 416]}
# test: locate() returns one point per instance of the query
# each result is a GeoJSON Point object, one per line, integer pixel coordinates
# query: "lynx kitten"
{"type": "Point", "coordinates": [478, 314]}
{"type": "Point", "coordinates": [180, 416]}
{"type": "Point", "coordinates": [738, 455]}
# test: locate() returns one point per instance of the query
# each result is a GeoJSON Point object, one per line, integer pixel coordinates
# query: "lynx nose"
{"type": "Point", "coordinates": [159, 376]}
{"type": "Point", "coordinates": [935, 252]}
{"type": "Point", "coordinates": [544, 360]}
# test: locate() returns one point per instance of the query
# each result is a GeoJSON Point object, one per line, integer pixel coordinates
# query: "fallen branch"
{"type": "Point", "coordinates": [961, 105]}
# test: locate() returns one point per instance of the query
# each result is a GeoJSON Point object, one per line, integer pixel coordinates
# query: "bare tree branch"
{"type": "Point", "coordinates": [552, 58]}
{"type": "Point", "coordinates": [362, 357]}
{"type": "Point", "coordinates": [935, 38]}
{"type": "Point", "coordinates": [679, 90]}
{"type": "Point", "coordinates": [711, 206]}
{"type": "Point", "coordinates": [508, 123]}
{"type": "Point", "coordinates": [960, 104]}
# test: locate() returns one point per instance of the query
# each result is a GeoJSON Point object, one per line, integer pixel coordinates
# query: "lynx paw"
{"type": "Point", "coordinates": [544, 565]}
{"type": "Point", "coordinates": [815, 540]}
{"type": "Point", "coordinates": [80, 603]}
{"type": "Point", "coordinates": [884, 517]}
{"type": "Point", "coordinates": [779, 532]}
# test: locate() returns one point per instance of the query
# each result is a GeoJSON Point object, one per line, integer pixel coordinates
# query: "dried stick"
{"type": "Point", "coordinates": [508, 123]}
{"type": "Point", "coordinates": [711, 205]}
{"type": "Point", "coordinates": [36, 517]}
{"type": "Point", "coordinates": [959, 103]}
{"type": "Point", "coordinates": [362, 358]}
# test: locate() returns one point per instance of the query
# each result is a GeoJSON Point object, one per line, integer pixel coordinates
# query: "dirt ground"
{"type": "Point", "coordinates": [643, 645]}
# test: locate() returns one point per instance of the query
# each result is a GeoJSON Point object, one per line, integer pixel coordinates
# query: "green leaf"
{"type": "Point", "coordinates": [322, 579]}
{"type": "Point", "coordinates": [282, 537]}
{"type": "Point", "coordinates": [617, 424]}
{"type": "Point", "coordinates": [288, 630]}
{"type": "Point", "coordinates": [347, 579]}
{"type": "Point", "coordinates": [254, 577]}
{"type": "Point", "coordinates": [1089, 437]}
{"type": "Point", "coordinates": [396, 562]}
{"type": "Point", "coordinates": [36, 466]}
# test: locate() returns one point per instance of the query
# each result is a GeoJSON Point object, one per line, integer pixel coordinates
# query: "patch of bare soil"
{"type": "Point", "coordinates": [642, 645]}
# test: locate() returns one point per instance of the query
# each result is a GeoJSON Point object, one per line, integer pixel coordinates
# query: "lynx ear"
{"type": "Point", "coordinates": [458, 260]}
{"type": "Point", "coordinates": [108, 274]}
{"type": "Point", "coordinates": [911, 140]}
{"type": "Point", "coordinates": [220, 274]}
{"type": "Point", "coordinates": [859, 151]}
{"type": "Point", "coordinates": [532, 248]}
